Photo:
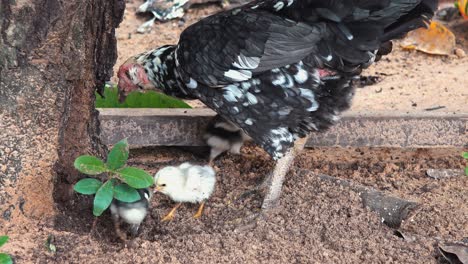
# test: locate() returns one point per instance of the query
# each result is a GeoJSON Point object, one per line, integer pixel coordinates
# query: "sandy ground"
{"type": "Point", "coordinates": [318, 221]}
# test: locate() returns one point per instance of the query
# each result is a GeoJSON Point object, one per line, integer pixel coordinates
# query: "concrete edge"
{"type": "Point", "coordinates": [185, 127]}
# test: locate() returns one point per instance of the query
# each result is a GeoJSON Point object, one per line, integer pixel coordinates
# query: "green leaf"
{"type": "Point", "coordinates": [103, 198]}
{"type": "Point", "coordinates": [149, 99]}
{"type": "Point", "coordinates": [465, 155]}
{"type": "Point", "coordinates": [5, 259]}
{"type": "Point", "coordinates": [136, 178]}
{"type": "Point", "coordinates": [466, 171]}
{"type": "Point", "coordinates": [89, 165]}
{"type": "Point", "coordinates": [125, 193]}
{"type": "Point", "coordinates": [118, 155]}
{"type": "Point", "coordinates": [87, 186]}
{"type": "Point", "coordinates": [3, 240]}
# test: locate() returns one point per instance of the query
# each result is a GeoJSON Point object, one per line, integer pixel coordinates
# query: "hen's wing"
{"type": "Point", "coordinates": [235, 45]}
{"type": "Point", "coordinates": [232, 47]}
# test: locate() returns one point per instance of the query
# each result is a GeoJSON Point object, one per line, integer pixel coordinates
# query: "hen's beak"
{"type": "Point", "coordinates": [122, 96]}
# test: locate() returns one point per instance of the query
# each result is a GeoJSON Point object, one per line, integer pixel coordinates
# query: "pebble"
{"type": "Point", "coordinates": [460, 53]}
{"type": "Point", "coordinates": [444, 173]}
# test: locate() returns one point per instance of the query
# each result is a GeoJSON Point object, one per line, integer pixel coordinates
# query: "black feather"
{"type": "Point", "coordinates": [281, 69]}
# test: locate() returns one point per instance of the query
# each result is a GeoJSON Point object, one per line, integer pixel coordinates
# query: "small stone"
{"type": "Point", "coordinates": [454, 252]}
{"type": "Point", "coordinates": [460, 53]}
{"type": "Point", "coordinates": [444, 173]}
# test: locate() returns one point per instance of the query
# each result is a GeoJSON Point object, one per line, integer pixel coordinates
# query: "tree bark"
{"type": "Point", "coordinates": [53, 56]}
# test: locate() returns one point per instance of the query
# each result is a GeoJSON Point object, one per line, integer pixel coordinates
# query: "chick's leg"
{"type": "Point", "coordinates": [116, 220]}
{"type": "Point", "coordinates": [214, 153]}
{"type": "Point", "coordinates": [170, 215]}
{"type": "Point", "coordinates": [200, 211]}
{"type": "Point", "coordinates": [134, 229]}
{"type": "Point", "coordinates": [274, 182]}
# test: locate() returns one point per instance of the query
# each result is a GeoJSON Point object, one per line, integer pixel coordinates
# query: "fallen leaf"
{"type": "Point", "coordinates": [463, 7]}
{"type": "Point", "coordinates": [436, 39]}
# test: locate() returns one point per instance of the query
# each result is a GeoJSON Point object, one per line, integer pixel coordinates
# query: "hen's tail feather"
{"type": "Point", "coordinates": [418, 17]}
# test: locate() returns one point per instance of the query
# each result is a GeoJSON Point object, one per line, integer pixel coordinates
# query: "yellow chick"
{"type": "Point", "coordinates": [186, 183]}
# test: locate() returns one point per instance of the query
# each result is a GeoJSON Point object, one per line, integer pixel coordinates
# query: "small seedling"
{"type": "Point", "coordinates": [465, 155]}
{"type": "Point", "coordinates": [49, 244]}
{"type": "Point", "coordinates": [121, 183]}
{"type": "Point", "coordinates": [4, 258]}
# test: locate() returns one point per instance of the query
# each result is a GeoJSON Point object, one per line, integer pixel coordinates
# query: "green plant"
{"type": "Point", "coordinates": [121, 183]}
{"type": "Point", "coordinates": [149, 99]}
{"type": "Point", "coordinates": [465, 155]}
{"type": "Point", "coordinates": [4, 258]}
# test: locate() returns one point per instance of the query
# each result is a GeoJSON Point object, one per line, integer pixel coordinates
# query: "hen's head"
{"type": "Point", "coordinates": [132, 76]}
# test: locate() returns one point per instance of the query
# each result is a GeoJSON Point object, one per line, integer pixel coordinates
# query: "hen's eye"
{"type": "Point", "coordinates": [128, 75]}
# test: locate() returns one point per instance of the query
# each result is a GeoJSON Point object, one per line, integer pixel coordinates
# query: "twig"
{"type": "Point", "coordinates": [434, 108]}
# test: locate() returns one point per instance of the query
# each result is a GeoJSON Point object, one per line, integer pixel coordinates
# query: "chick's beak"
{"type": "Point", "coordinates": [157, 189]}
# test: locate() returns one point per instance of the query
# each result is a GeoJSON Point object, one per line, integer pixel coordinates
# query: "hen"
{"type": "Point", "coordinates": [277, 69]}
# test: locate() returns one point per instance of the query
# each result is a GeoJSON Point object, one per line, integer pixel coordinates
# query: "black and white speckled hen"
{"type": "Point", "coordinates": [278, 69]}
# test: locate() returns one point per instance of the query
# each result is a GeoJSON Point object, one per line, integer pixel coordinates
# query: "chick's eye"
{"type": "Point", "coordinates": [163, 185]}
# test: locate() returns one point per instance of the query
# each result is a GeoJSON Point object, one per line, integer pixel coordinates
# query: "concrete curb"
{"type": "Point", "coordinates": [185, 127]}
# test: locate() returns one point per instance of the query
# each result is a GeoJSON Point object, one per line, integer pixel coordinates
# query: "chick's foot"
{"type": "Point", "coordinates": [200, 211]}
{"type": "Point", "coordinates": [119, 232]}
{"type": "Point", "coordinates": [170, 215]}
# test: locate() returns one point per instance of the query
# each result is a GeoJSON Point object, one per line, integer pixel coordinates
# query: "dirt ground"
{"type": "Point", "coordinates": [318, 221]}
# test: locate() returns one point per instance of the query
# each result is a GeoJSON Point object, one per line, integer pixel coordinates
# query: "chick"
{"type": "Point", "coordinates": [186, 183]}
{"type": "Point", "coordinates": [131, 213]}
{"type": "Point", "coordinates": [222, 135]}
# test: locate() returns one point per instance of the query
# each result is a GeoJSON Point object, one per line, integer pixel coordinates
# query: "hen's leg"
{"type": "Point", "coordinates": [274, 182]}
{"type": "Point", "coordinates": [170, 215]}
{"type": "Point", "coordinates": [200, 211]}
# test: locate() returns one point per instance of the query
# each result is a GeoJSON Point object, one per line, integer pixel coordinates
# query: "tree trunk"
{"type": "Point", "coordinates": [53, 56]}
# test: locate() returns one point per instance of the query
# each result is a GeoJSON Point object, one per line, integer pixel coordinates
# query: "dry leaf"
{"type": "Point", "coordinates": [463, 7]}
{"type": "Point", "coordinates": [437, 39]}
